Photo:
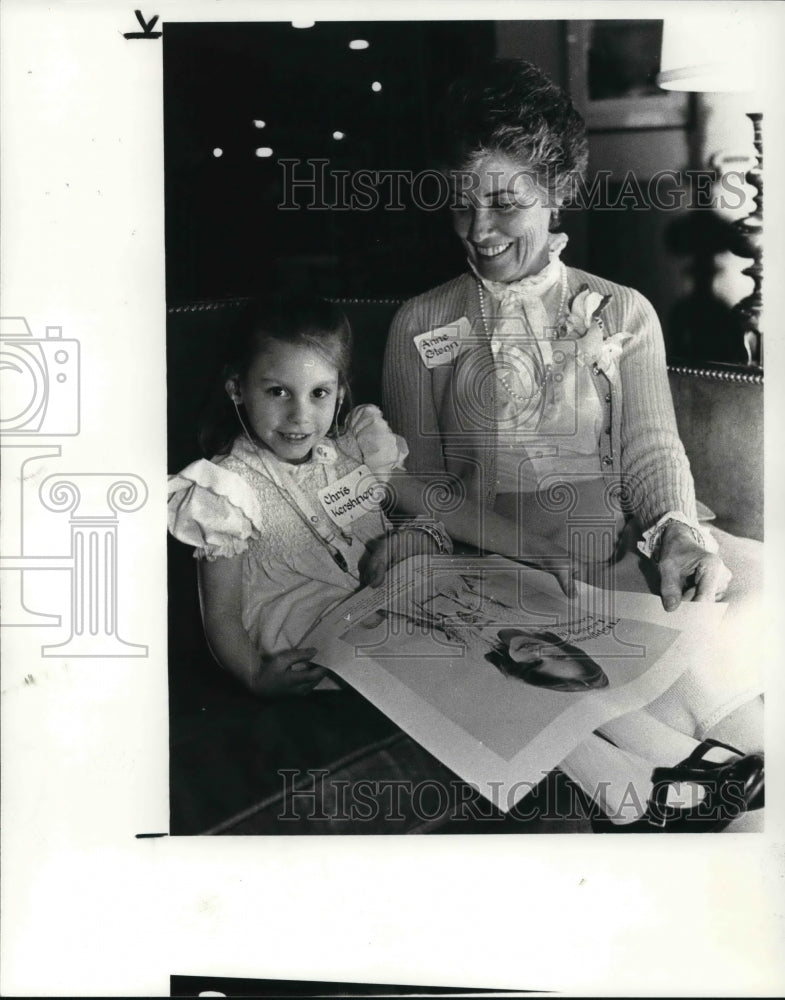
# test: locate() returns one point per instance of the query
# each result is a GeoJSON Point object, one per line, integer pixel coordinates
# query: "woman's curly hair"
{"type": "Point", "coordinates": [511, 107]}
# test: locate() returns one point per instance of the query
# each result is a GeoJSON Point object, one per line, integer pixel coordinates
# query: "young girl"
{"type": "Point", "coordinates": [284, 524]}
{"type": "Point", "coordinates": [276, 539]}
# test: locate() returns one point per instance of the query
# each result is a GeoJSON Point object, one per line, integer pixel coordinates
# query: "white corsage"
{"type": "Point", "coordinates": [595, 346]}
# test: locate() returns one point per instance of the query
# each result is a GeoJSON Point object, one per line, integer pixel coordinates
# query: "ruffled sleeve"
{"type": "Point", "coordinates": [213, 509]}
{"type": "Point", "coordinates": [382, 450]}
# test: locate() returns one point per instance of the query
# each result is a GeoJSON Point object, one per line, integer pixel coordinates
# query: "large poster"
{"type": "Point", "coordinates": [490, 667]}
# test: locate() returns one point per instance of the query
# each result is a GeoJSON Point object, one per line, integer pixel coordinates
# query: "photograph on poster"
{"type": "Point", "coordinates": [312, 255]}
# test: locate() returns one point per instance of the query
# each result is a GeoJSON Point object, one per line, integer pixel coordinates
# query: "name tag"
{"type": "Point", "coordinates": [349, 498]}
{"type": "Point", "coordinates": [440, 346]}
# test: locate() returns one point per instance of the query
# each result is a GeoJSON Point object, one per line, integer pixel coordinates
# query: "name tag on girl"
{"type": "Point", "coordinates": [441, 345]}
{"type": "Point", "coordinates": [349, 498]}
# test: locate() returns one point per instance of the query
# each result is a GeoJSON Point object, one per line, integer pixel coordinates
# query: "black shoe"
{"type": "Point", "coordinates": [732, 788]}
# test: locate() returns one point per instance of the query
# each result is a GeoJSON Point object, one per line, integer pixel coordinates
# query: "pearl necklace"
{"type": "Point", "coordinates": [560, 314]}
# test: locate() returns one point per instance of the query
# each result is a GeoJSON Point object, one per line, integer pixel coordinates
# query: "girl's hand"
{"type": "Point", "coordinates": [287, 673]}
{"type": "Point", "coordinates": [391, 549]}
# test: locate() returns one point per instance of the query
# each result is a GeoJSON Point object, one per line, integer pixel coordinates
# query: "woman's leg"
{"type": "Point", "coordinates": [742, 728]}
{"type": "Point", "coordinates": [619, 782]}
{"type": "Point", "coordinates": [619, 778]}
{"type": "Point", "coordinates": [650, 739]}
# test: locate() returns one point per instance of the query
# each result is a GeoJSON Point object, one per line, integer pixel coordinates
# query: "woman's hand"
{"type": "Point", "coordinates": [543, 554]}
{"type": "Point", "coordinates": [286, 673]}
{"type": "Point", "coordinates": [391, 549]}
{"type": "Point", "coordinates": [472, 523]}
{"type": "Point", "coordinates": [683, 563]}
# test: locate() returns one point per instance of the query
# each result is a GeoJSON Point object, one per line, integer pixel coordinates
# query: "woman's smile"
{"type": "Point", "coordinates": [492, 251]}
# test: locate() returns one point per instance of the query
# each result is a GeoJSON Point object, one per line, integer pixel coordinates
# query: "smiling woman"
{"type": "Point", "coordinates": [504, 219]}
{"type": "Point", "coordinates": [553, 409]}
{"type": "Point", "coordinates": [561, 383]}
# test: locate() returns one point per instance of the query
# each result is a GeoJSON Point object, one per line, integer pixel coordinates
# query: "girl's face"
{"type": "Point", "coordinates": [500, 215]}
{"type": "Point", "coordinates": [290, 394]}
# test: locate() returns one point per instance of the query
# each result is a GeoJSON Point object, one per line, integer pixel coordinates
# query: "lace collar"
{"type": "Point", "coordinates": [324, 453]}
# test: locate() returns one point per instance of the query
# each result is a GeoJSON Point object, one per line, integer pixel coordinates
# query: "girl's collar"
{"type": "Point", "coordinates": [533, 284]}
{"type": "Point", "coordinates": [323, 453]}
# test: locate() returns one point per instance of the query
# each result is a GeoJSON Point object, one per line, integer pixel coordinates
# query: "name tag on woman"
{"type": "Point", "coordinates": [351, 497]}
{"type": "Point", "coordinates": [441, 345]}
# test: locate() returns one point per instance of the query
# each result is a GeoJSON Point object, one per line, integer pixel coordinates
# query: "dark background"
{"type": "Point", "coordinates": [224, 233]}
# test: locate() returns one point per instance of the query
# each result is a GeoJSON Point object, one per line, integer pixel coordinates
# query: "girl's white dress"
{"type": "Point", "coordinates": [231, 506]}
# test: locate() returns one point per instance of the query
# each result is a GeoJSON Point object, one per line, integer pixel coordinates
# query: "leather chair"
{"type": "Point", "coordinates": [228, 751]}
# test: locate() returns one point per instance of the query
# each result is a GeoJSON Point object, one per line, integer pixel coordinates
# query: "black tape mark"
{"type": "Point", "coordinates": [147, 28]}
{"type": "Point", "coordinates": [147, 836]}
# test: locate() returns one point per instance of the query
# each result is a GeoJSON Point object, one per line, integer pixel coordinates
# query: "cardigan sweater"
{"type": "Point", "coordinates": [639, 447]}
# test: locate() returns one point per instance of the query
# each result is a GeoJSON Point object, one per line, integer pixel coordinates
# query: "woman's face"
{"type": "Point", "coordinates": [552, 666]}
{"type": "Point", "coordinates": [502, 216]}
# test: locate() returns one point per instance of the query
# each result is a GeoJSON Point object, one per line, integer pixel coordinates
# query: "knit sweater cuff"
{"type": "Point", "coordinates": [651, 543]}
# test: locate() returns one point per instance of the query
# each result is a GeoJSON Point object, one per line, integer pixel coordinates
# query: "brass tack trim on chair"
{"type": "Point", "coordinates": [240, 299]}
{"type": "Point", "coordinates": [208, 306]}
{"type": "Point", "coordinates": [369, 302]}
{"type": "Point", "coordinates": [737, 375]}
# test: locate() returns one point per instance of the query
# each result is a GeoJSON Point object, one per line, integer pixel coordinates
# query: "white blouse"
{"type": "Point", "coordinates": [548, 412]}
